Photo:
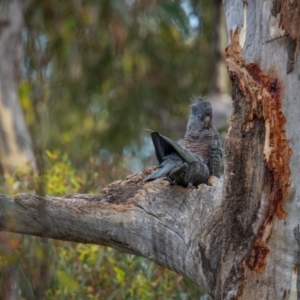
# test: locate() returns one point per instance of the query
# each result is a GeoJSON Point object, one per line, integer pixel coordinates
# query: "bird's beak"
{"type": "Point", "coordinates": [207, 122]}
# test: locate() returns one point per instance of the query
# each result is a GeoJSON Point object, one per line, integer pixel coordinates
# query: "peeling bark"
{"type": "Point", "coordinates": [259, 199]}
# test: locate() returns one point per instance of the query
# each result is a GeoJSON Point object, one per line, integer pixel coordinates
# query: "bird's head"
{"type": "Point", "coordinates": [200, 116]}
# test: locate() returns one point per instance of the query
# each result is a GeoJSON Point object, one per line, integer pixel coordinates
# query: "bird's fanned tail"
{"type": "Point", "coordinates": [180, 165]}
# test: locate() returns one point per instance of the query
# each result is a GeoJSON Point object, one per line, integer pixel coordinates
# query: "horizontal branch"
{"type": "Point", "coordinates": [173, 226]}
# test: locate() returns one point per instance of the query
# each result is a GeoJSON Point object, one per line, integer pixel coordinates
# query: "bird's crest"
{"type": "Point", "coordinates": [197, 98]}
{"type": "Point", "coordinates": [200, 105]}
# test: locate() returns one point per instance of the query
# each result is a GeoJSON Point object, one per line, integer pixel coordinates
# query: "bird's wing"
{"type": "Point", "coordinates": [168, 164]}
{"type": "Point", "coordinates": [165, 146]}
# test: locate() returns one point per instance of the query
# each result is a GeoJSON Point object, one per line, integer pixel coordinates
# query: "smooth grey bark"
{"type": "Point", "coordinates": [15, 142]}
{"type": "Point", "coordinates": [219, 91]}
{"type": "Point", "coordinates": [220, 80]}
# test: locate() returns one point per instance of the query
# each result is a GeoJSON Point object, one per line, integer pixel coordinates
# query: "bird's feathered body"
{"type": "Point", "coordinates": [170, 162]}
{"type": "Point", "coordinates": [202, 155]}
{"type": "Point", "coordinates": [202, 138]}
{"type": "Point", "coordinates": [189, 175]}
{"type": "Point", "coordinates": [180, 165]}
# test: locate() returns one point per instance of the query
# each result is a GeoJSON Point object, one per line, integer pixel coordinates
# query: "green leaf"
{"type": "Point", "coordinates": [68, 281]}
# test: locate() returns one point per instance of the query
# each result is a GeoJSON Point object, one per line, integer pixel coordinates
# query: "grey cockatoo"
{"type": "Point", "coordinates": [202, 138]}
{"type": "Point", "coordinates": [180, 165]}
{"type": "Point", "coordinates": [201, 156]}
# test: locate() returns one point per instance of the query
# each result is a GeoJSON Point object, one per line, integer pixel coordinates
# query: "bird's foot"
{"type": "Point", "coordinates": [172, 182]}
{"type": "Point", "coordinates": [191, 186]}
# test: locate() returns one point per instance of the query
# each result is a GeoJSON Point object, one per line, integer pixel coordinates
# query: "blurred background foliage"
{"type": "Point", "coordinates": [36, 268]}
{"type": "Point", "coordinates": [95, 75]}
{"type": "Point", "coordinates": [98, 72]}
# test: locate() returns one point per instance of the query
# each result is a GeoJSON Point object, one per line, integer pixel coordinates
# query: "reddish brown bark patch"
{"type": "Point", "coordinates": [267, 105]}
{"type": "Point", "coordinates": [263, 95]}
{"type": "Point", "coordinates": [257, 259]}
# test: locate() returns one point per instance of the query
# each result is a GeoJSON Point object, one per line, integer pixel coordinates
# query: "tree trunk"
{"type": "Point", "coordinates": [15, 143]}
{"type": "Point", "coordinates": [236, 240]}
{"type": "Point", "coordinates": [261, 210]}
{"type": "Point", "coordinates": [219, 93]}
{"type": "Point", "coordinates": [220, 79]}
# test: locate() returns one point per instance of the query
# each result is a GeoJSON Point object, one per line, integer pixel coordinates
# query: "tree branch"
{"type": "Point", "coordinates": [173, 226]}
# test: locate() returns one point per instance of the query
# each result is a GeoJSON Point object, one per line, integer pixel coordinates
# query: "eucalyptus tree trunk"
{"type": "Point", "coordinates": [260, 196]}
{"type": "Point", "coordinates": [220, 80]}
{"type": "Point", "coordinates": [236, 239]}
{"type": "Point", "coordinates": [15, 143]}
{"type": "Point", "coordinates": [219, 91]}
